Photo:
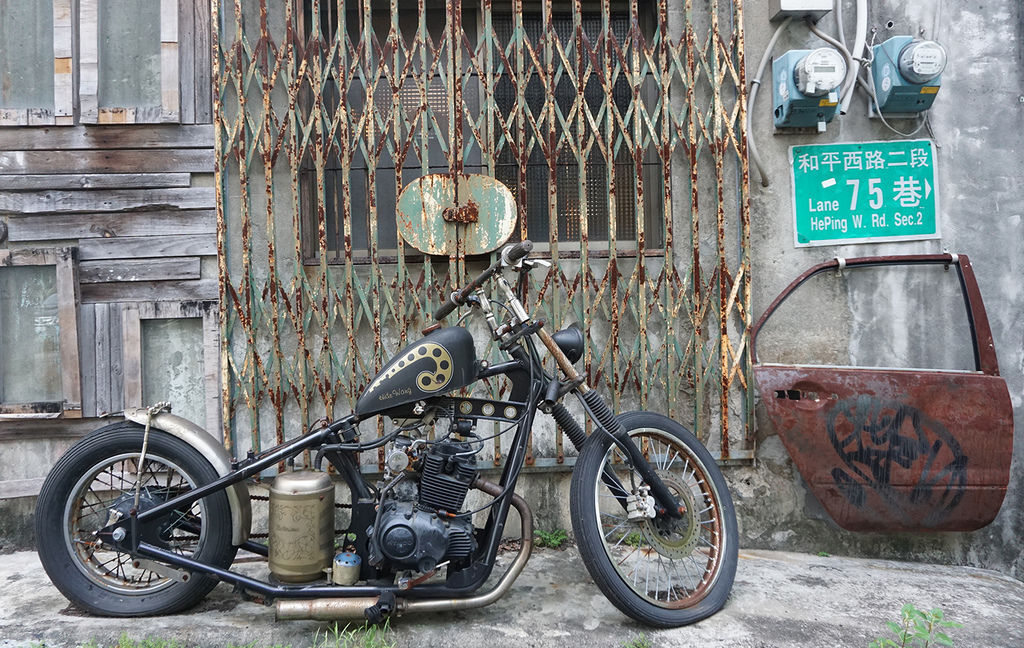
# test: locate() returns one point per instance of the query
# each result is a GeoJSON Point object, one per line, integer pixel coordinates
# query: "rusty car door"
{"type": "Point", "coordinates": [888, 449]}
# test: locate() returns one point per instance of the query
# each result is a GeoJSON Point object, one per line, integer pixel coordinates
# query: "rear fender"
{"type": "Point", "coordinates": [214, 452]}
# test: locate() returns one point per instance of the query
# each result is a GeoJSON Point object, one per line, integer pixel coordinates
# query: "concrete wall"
{"type": "Point", "coordinates": [976, 124]}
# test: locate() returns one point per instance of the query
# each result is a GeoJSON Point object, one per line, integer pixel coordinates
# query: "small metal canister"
{"type": "Point", "coordinates": [301, 539]}
{"type": "Point", "coordinates": [346, 568]}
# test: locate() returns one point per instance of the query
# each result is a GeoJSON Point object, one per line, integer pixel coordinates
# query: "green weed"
{"type": "Point", "coordinates": [364, 636]}
{"type": "Point", "coordinates": [639, 641]}
{"type": "Point", "coordinates": [149, 642]}
{"type": "Point", "coordinates": [553, 539]}
{"type": "Point", "coordinates": [634, 539]}
{"type": "Point", "coordinates": [917, 629]}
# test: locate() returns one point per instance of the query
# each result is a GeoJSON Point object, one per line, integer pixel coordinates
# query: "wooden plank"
{"type": "Point", "coordinates": [203, 66]}
{"type": "Point", "coordinates": [91, 272]}
{"type": "Point", "coordinates": [43, 256]}
{"type": "Point", "coordinates": [13, 116]}
{"type": "Point", "coordinates": [95, 181]}
{"type": "Point", "coordinates": [37, 410]}
{"type": "Point", "coordinates": [112, 161]}
{"type": "Point", "coordinates": [201, 289]}
{"type": "Point", "coordinates": [63, 76]}
{"type": "Point", "coordinates": [109, 137]}
{"type": "Point", "coordinates": [102, 338]}
{"type": "Point", "coordinates": [169, 69]}
{"type": "Point", "coordinates": [87, 347]}
{"type": "Point", "coordinates": [116, 358]}
{"type": "Point", "coordinates": [110, 225]}
{"type": "Point", "coordinates": [146, 246]}
{"type": "Point", "coordinates": [89, 60]}
{"type": "Point", "coordinates": [106, 200]}
{"type": "Point", "coordinates": [12, 488]}
{"type": "Point", "coordinates": [186, 61]}
{"type": "Point", "coordinates": [173, 310]}
{"type": "Point", "coordinates": [131, 345]}
{"type": "Point", "coordinates": [67, 318]}
{"type": "Point", "coordinates": [211, 370]}
{"type": "Point", "coordinates": [23, 429]}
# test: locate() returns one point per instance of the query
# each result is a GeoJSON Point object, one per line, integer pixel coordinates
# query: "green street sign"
{"type": "Point", "coordinates": [864, 192]}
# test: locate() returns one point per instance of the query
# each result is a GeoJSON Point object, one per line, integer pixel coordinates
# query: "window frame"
{"type": "Point", "coordinates": [63, 113]}
{"type": "Point", "coordinates": [76, 82]}
{"type": "Point", "coordinates": [132, 315]}
{"type": "Point", "coordinates": [65, 260]}
{"type": "Point", "coordinates": [89, 34]}
{"type": "Point", "coordinates": [569, 247]}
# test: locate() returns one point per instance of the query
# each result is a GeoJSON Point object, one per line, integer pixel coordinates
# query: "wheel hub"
{"type": "Point", "coordinates": [673, 537]}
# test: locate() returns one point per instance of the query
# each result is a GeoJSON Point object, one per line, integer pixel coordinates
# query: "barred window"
{"type": "Point", "coordinates": [368, 157]}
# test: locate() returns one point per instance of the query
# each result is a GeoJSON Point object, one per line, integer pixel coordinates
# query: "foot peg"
{"type": "Point", "coordinates": [382, 609]}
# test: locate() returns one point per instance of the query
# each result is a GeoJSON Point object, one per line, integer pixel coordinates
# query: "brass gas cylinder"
{"type": "Point", "coordinates": [301, 541]}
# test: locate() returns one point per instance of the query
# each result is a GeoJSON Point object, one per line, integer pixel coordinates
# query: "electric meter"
{"type": "Point", "coordinates": [805, 87]}
{"type": "Point", "coordinates": [922, 60]}
{"type": "Point", "coordinates": [820, 72]}
{"type": "Point", "coordinates": [907, 74]}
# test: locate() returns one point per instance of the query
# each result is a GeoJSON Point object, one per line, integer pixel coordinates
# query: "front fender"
{"type": "Point", "coordinates": [214, 452]}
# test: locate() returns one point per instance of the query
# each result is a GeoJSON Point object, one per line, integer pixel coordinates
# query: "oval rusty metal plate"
{"type": "Point", "coordinates": [446, 214]}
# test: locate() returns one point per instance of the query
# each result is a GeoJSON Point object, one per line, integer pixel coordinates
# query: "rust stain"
{"type": "Point", "coordinates": [897, 450]}
{"type": "Point", "coordinates": [468, 213]}
{"type": "Point", "coordinates": [319, 107]}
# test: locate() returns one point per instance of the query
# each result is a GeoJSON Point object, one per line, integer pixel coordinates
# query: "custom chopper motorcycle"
{"type": "Point", "coordinates": [145, 516]}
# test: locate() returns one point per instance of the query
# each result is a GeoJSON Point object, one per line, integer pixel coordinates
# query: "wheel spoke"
{"type": "Point", "coordinates": [669, 564]}
{"type": "Point", "coordinates": [110, 487]}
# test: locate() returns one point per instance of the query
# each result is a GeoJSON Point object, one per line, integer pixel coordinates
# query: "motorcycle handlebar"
{"type": "Point", "coordinates": [509, 256]}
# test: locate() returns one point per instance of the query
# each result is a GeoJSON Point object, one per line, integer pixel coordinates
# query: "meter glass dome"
{"type": "Point", "coordinates": [922, 60]}
{"type": "Point", "coordinates": [820, 72]}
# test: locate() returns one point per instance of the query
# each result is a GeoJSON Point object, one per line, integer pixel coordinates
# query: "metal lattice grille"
{"type": "Point", "coordinates": [617, 125]}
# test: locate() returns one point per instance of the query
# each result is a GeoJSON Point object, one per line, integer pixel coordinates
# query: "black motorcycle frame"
{"type": "Point", "coordinates": [532, 389]}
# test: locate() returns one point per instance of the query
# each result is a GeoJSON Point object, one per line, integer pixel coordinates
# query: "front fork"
{"type": "Point", "coordinates": [609, 423]}
{"type": "Point", "coordinates": [603, 415]}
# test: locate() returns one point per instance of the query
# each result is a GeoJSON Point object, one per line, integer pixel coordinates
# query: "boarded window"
{"type": "Point", "coordinates": [39, 366]}
{"type": "Point", "coordinates": [30, 367]}
{"type": "Point", "coordinates": [172, 365]}
{"type": "Point", "coordinates": [129, 53]}
{"type": "Point", "coordinates": [35, 63]}
{"type": "Point", "coordinates": [26, 55]}
{"type": "Point", "coordinates": [129, 61]}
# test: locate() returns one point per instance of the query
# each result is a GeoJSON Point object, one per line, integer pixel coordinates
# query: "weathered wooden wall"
{"type": "Point", "coordinates": [137, 204]}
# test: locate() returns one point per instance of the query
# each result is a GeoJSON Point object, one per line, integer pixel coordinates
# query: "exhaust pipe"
{"type": "Point", "coordinates": [353, 609]}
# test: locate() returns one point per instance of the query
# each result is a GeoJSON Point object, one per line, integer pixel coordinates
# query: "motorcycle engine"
{"type": "Point", "coordinates": [415, 530]}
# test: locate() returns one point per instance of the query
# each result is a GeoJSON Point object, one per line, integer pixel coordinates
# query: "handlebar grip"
{"type": "Point", "coordinates": [445, 310]}
{"type": "Point", "coordinates": [513, 253]}
{"type": "Point", "coordinates": [509, 256]}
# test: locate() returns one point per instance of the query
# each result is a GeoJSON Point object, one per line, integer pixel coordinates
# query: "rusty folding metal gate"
{"type": "Point", "coordinates": [618, 126]}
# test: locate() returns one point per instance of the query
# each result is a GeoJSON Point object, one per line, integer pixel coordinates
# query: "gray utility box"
{"type": "Point", "coordinates": [779, 9]}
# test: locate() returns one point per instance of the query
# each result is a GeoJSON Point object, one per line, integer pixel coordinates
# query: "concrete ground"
{"type": "Point", "coordinates": [779, 600]}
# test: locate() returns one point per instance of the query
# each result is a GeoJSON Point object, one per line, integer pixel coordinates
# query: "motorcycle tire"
{"type": "Point", "coordinates": [660, 573]}
{"type": "Point", "coordinates": [95, 483]}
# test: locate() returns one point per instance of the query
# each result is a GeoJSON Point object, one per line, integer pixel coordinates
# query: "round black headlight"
{"type": "Point", "coordinates": [570, 341]}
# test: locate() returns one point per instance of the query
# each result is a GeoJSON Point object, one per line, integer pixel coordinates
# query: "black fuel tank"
{"type": "Point", "coordinates": [442, 362]}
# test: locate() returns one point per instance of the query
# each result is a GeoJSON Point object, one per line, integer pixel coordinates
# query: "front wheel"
{"type": "Point", "coordinates": [96, 483]}
{"type": "Point", "coordinates": [659, 571]}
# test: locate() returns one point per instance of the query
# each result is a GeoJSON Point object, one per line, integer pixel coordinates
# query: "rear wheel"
{"type": "Point", "coordinates": [660, 571]}
{"type": "Point", "coordinates": [93, 485]}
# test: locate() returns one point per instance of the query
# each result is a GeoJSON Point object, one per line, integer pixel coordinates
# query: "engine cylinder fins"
{"type": "Point", "coordinates": [448, 471]}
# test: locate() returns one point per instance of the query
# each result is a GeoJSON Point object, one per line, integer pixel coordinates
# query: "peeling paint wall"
{"type": "Point", "coordinates": [977, 123]}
